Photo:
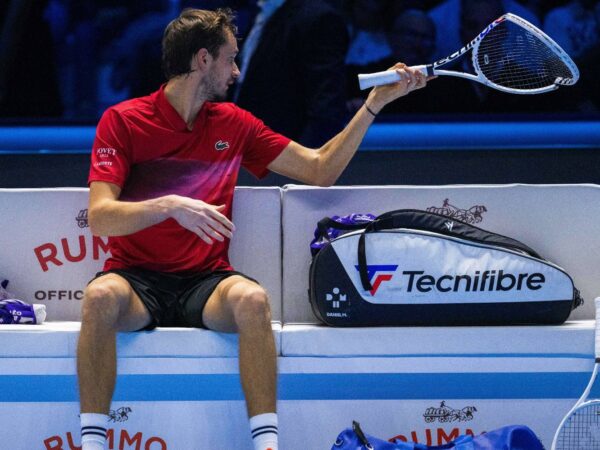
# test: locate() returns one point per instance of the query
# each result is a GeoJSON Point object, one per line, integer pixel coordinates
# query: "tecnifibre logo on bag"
{"type": "Point", "coordinates": [480, 281]}
{"type": "Point", "coordinates": [378, 274]}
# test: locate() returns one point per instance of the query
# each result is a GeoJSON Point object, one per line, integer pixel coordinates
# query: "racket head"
{"type": "Point", "coordinates": [581, 429]}
{"type": "Point", "coordinates": [514, 56]}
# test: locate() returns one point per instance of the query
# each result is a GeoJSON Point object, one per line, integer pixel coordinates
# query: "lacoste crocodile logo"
{"type": "Point", "coordinates": [220, 145]}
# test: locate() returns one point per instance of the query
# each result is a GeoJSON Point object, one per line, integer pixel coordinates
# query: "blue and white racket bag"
{"type": "Point", "coordinates": [512, 437]}
{"type": "Point", "coordinates": [411, 267]}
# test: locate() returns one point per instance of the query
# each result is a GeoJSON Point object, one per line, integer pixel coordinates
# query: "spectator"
{"type": "Point", "coordinates": [26, 51]}
{"type": "Point", "coordinates": [369, 49]}
{"type": "Point", "coordinates": [411, 36]}
{"type": "Point", "coordinates": [574, 26]}
{"type": "Point", "coordinates": [131, 63]}
{"type": "Point", "coordinates": [367, 33]}
{"type": "Point", "coordinates": [447, 18]}
{"type": "Point", "coordinates": [133, 67]}
{"type": "Point", "coordinates": [455, 95]}
{"type": "Point", "coordinates": [296, 52]}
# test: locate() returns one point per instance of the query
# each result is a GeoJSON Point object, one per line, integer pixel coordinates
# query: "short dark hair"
{"type": "Point", "coordinates": [192, 30]}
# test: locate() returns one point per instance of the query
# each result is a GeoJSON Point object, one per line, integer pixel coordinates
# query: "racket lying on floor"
{"type": "Point", "coordinates": [580, 428]}
{"type": "Point", "coordinates": [510, 55]}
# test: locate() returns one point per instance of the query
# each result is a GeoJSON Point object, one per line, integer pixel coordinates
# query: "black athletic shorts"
{"type": "Point", "coordinates": [173, 299]}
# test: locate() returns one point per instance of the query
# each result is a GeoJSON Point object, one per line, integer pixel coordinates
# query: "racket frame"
{"type": "Point", "coordinates": [391, 76]}
{"type": "Point", "coordinates": [581, 403]}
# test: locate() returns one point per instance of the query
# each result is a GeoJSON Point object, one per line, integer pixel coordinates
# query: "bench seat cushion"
{"type": "Point", "coordinates": [59, 340]}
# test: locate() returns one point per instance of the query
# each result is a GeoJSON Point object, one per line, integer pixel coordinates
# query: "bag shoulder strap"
{"type": "Point", "coordinates": [427, 221]}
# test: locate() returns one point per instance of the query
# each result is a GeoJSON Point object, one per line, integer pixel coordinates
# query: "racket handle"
{"type": "Point", "coordinates": [367, 80]}
{"type": "Point", "coordinates": [597, 335]}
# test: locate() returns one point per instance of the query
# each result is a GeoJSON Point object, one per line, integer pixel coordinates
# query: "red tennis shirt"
{"type": "Point", "coordinates": [145, 147]}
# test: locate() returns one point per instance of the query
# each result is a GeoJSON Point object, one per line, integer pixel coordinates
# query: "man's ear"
{"type": "Point", "coordinates": [202, 59]}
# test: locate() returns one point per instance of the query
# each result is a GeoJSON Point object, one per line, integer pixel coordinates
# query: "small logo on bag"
{"type": "Point", "coordinates": [445, 413]}
{"type": "Point", "coordinates": [336, 298]}
{"type": "Point", "coordinates": [472, 215]}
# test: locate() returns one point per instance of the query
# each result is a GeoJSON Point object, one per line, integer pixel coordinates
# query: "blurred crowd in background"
{"type": "Point", "coordinates": [71, 59]}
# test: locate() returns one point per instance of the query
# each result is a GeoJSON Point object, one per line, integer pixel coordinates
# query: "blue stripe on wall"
{"type": "Point", "coordinates": [383, 136]}
{"type": "Point", "coordinates": [483, 136]}
{"type": "Point", "coordinates": [343, 386]}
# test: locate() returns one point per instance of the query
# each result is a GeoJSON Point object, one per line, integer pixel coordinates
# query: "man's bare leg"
{"type": "Point", "coordinates": [239, 305]}
{"type": "Point", "coordinates": [109, 305]}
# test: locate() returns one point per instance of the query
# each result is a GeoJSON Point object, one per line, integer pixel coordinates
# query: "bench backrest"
{"type": "Point", "coordinates": [48, 253]}
{"type": "Point", "coordinates": [561, 222]}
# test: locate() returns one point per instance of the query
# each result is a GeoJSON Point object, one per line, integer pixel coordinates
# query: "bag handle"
{"type": "Point", "coordinates": [328, 222]}
{"type": "Point", "coordinates": [361, 436]}
{"type": "Point", "coordinates": [427, 221]}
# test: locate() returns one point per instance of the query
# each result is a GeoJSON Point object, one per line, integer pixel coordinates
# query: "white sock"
{"type": "Point", "coordinates": [93, 431]}
{"type": "Point", "coordinates": [264, 431]}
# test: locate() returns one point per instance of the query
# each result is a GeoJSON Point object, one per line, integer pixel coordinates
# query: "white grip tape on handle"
{"type": "Point", "coordinates": [367, 80]}
{"type": "Point", "coordinates": [597, 334]}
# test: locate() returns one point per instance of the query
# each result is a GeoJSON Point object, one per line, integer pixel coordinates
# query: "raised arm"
{"type": "Point", "coordinates": [108, 216]}
{"type": "Point", "coordinates": [323, 166]}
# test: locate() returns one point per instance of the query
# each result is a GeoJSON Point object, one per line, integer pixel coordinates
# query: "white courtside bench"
{"type": "Point", "coordinates": [179, 388]}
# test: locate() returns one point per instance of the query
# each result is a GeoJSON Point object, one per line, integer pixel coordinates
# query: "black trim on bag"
{"type": "Point", "coordinates": [363, 313]}
{"type": "Point", "coordinates": [458, 239]}
{"type": "Point", "coordinates": [414, 219]}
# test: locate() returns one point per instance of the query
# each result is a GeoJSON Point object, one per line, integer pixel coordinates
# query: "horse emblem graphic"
{"type": "Point", "coordinates": [446, 413]}
{"type": "Point", "coordinates": [471, 215]}
{"type": "Point", "coordinates": [119, 415]}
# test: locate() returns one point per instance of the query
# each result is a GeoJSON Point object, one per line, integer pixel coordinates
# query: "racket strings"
{"type": "Point", "coordinates": [581, 431]}
{"type": "Point", "coordinates": [513, 57]}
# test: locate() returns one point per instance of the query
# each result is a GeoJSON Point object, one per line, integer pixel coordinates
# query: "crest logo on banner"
{"type": "Point", "coordinates": [445, 413]}
{"type": "Point", "coordinates": [82, 219]}
{"type": "Point", "coordinates": [474, 214]}
{"type": "Point", "coordinates": [119, 415]}
{"type": "Point", "coordinates": [450, 428]}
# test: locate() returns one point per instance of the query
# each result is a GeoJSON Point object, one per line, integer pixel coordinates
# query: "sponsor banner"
{"type": "Point", "coordinates": [54, 254]}
{"type": "Point", "coordinates": [303, 424]}
{"type": "Point", "coordinates": [432, 422]}
{"type": "Point", "coordinates": [179, 406]}
{"type": "Point", "coordinates": [132, 426]}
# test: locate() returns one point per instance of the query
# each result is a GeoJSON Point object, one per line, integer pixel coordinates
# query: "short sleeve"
{"type": "Point", "coordinates": [110, 159]}
{"type": "Point", "coordinates": [264, 146]}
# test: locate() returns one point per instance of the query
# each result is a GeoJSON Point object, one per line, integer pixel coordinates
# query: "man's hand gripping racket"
{"type": "Point", "coordinates": [510, 55]}
{"type": "Point", "coordinates": [580, 428]}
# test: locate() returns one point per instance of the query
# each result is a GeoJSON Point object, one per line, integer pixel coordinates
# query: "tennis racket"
{"type": "Point", "coordinates": [580, 428]}
{"type": "Point", "coordinates": [510, 55]}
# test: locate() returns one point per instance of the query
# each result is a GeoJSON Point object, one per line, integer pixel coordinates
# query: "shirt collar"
{"type": "Point", "coordinates": [170, 113]}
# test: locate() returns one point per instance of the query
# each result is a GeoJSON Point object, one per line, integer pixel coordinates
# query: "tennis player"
{"type": "Point", "coordinates": [162, 178]}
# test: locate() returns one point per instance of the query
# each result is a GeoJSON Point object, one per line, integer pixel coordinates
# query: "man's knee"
{"type": "Point", "coordinates": [103, 300]}
{"type": "Point", "coordinates": [252, 308]}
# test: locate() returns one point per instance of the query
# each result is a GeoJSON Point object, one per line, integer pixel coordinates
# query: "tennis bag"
{"type": "Point", "coordinates": [512, 437]}
{"type": "Point", "coordinates": [412, 267]}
